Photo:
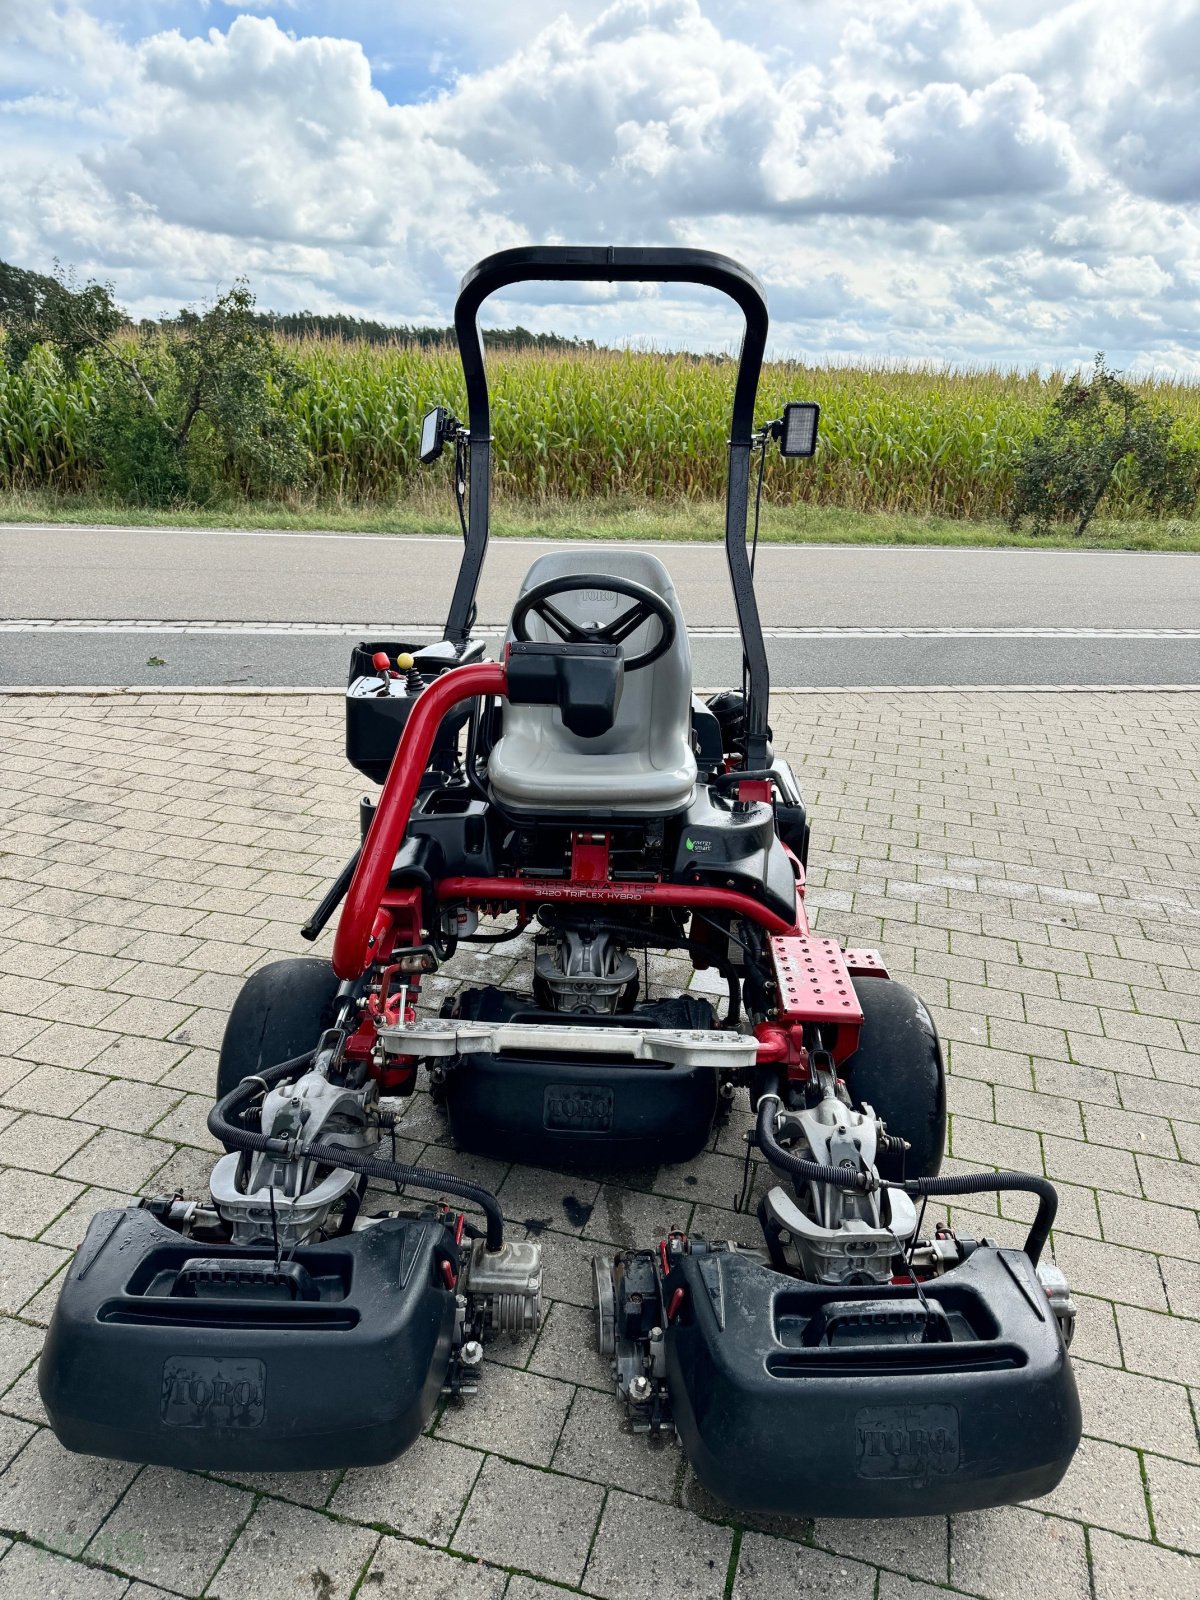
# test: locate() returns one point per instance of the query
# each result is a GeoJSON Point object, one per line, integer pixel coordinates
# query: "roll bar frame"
{"type": "Point", "coordinates": [622, 264]}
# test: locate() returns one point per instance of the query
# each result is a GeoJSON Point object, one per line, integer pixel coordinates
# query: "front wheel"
{"type": "Point", "coordinates": [897, 1070]}
{"type": "Point", "coordinates": [281, 1012]}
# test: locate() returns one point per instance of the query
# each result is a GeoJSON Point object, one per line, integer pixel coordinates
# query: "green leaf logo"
{"type": "Point", "coordinates": [688, 843]}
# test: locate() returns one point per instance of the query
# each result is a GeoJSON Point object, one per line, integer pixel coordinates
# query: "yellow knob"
{"type": "Point", "coordinates": [404, 662]}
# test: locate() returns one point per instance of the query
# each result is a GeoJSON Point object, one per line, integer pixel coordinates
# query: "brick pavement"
{"type": "Point", "coordinates": [1030, 863]}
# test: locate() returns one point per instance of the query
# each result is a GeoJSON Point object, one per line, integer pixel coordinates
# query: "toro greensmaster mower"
{"type": "Point", "coordinates": [850, 1364]}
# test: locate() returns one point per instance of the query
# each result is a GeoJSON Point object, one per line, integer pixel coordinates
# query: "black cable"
{"type": "Point", "coordinates": [353, 1205]}
{"type": "Point", "coordinates": [726, 933]}
{"type": "Point", "coordinates": [460, 489]}
{"type": "Point", "coordinates": [742, 1199]}
{"type": "Point", "coordinates": [957, 1184]}
{"type": "Point", "coordinates": [414, 1178]}
{"type": "Point", "coordinates": [916, 1234]}
{"type": "Point", "coordinates": [865, 1182]}
{"type": "Point", "coordinates": [493, 938]}
{"type": "Point", "coordinates": [762, 467]}
{"type": "Point", "coordinates": [727, 970]}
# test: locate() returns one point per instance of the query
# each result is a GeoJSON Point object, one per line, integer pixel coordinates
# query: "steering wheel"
{"type": "Point", "coordinates": [646, 604]}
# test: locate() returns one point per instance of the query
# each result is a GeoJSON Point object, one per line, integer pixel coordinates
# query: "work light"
{"type": "Point", "coordinates": [433, 434]}
{"type": "Point", "coordinates": [798, 429]}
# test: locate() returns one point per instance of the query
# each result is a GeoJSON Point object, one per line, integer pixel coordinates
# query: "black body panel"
{"type": "Point", "coordinates": [584, 681]}
{"type": "Point", "coordinates": [706, 739]}
{"type": "Point", "coordinates": [774, 1418]}
{"type": "Point", "coordinates": [571, 1114]}
{"type": "Point", "coordinates": [221, 1376]}
{"type": "Point", "coordinates": [374, 723]}
{"type": "Point", "coordinates": [735, 849]}
{"type": "Point", "coordinates": [550, 1112]}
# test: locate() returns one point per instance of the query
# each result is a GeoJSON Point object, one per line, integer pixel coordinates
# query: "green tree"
{"type": "Point", "coordinates": [229, 388]}
{"type": "Point", "coordinates": [184, 405]}
{"type": "Point", "coordinates": [51, 310]}
{"type": "Point", "coordinates": [1096, 426]}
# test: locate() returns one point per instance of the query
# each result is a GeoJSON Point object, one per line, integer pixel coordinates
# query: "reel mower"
{"type": "Point", "coordinates": [577, 790]}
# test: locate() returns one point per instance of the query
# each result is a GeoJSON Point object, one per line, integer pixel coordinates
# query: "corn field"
{"type": "Point", "coordinates": [599, 423]}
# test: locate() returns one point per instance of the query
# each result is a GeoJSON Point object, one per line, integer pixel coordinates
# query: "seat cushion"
{"type": "Point", "coordinates": [526, 774]}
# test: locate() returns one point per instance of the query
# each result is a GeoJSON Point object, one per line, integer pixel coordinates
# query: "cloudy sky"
{"type": "Point", "coordinates": [959, 180]}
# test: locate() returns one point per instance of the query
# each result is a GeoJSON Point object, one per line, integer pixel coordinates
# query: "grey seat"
{"type": "Point", "coordinates": [645, 761]}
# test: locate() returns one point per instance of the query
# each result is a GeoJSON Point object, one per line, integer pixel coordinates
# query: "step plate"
{"type": "Point", "coordinates": [814, 981]}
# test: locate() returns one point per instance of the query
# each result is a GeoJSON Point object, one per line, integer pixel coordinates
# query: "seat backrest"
{"type": "Point", "coordinates": [655, 709]}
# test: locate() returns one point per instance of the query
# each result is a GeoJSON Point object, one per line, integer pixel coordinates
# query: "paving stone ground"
{"type": "Point", "coordinates": [1030, 862]}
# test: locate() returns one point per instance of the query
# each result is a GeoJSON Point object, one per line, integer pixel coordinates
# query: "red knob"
{"type": "Point", "coordinates": [380, 661]}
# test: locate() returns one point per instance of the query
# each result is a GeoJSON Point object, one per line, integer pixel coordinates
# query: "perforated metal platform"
{"type": "Point", "coordinates": [814, 985]}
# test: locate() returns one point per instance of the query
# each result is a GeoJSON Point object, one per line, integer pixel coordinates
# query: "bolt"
{"type": "Point", "coordinates": [639, 1390]}
{"type": "Point", "coordinates": [655, 1335]}
{"type": "Point", "coordinates": [471, 1353]}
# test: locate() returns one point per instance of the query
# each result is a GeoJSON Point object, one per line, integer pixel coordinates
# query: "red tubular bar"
{"type": "Point", "coordinates": [498, 891]}
{"type": "Point", "coordinates": [351, 945]}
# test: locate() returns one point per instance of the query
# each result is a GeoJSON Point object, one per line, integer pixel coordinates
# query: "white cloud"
{"type": "Point", "coordinates": [955, 178]}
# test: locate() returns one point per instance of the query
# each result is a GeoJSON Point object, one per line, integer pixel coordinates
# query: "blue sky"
{"type": "Point", "coordinates": [944, 180]}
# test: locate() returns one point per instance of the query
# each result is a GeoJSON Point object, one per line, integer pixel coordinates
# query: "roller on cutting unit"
{"type": "Point", "coordinates": [577, 794]}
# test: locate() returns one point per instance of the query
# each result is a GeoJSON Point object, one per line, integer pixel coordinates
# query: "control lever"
{"type": "Point", "coordinates": [334, 896]}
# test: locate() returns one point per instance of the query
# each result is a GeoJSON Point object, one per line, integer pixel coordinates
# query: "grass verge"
{"type": "Point", "coordinates": [607, 519]}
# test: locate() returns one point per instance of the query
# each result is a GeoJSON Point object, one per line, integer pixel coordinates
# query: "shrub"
{"type": "Point", "coordinates": [140, 460]}
{"type": "Point", "coordinates": [1097, 429]}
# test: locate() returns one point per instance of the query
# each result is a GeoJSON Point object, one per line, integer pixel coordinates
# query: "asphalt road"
{"type": "Point", "coordinates": [97, 605]}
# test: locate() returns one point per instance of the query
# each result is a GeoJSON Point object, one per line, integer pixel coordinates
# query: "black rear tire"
{"type": "Point", "coordinates": [897, 1070]}
{"type": "Point", "coordinates": [281, 1013]}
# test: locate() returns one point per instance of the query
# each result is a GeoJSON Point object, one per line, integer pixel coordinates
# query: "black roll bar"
{"type": "Point", "coordinates": [620, 264]}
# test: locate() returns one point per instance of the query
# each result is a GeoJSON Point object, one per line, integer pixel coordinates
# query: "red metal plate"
{"type": "Point", "coordinates": [865, 964]}
{"type": "Point", "coordinates": [813, 981]}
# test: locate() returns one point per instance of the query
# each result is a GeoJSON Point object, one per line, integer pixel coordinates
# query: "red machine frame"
{"type": "Point", "coordinates": [812, 974]}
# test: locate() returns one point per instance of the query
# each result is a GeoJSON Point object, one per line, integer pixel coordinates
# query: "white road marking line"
{"type": "Point", "coordinates": [452, 534]}
{"type": "Point", "coordinates": [403, 630]}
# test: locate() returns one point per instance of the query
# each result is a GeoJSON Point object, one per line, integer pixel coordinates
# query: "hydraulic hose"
{"type": "Point", "coordinates": [958, 1183]}
{"type": "Point", "coordinates": [795, 1166]}
{"type": "Point", "coordinates": [332, 1155]}
{"type": "Point", "coordinates": [985, 1182]}
{"type": "Point", "coordinates": [234, 1137]}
